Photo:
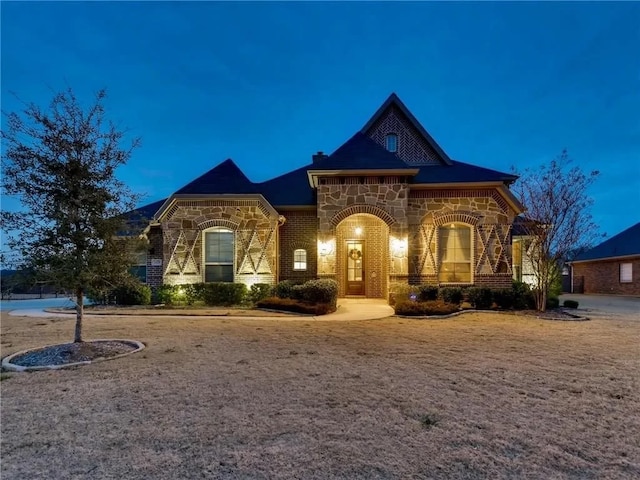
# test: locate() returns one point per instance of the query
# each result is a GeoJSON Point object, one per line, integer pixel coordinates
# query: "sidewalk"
{"type": "Point", "coordinates": [349, 309]}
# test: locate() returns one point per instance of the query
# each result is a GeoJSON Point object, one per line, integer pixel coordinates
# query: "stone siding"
{"type": "Point", "coordinates": [484, 210]}
{"type": "Point", "coordinates": [255, 228]}
{"type": "Point", "coordinates": [603, 277]}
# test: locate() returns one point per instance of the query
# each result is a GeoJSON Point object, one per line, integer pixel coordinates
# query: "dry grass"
{"type": "Point", "coordinates": [477, 396]}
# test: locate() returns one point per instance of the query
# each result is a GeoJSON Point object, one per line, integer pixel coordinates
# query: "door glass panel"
{"type": "Point", "coordinates": [354, 261]}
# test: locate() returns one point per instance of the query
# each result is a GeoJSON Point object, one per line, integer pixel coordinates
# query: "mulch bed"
{"type": "Point", "coordinates": [73, 353]}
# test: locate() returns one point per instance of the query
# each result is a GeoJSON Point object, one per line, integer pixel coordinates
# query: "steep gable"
{"type": "Point", "coordinates": [415, 145]}
{"type": "Point", "coordinates": [223, 178]}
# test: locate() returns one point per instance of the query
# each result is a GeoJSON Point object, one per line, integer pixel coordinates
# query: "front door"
{"type": "Point", "coordinates": [355, 267]}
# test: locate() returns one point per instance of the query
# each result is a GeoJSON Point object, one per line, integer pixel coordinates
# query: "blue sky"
{"type": "Point", "coordinates": [269, 84]}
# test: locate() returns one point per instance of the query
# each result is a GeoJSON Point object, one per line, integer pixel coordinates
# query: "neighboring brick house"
{"type": "Point", "coordinates": [613, 267]}
{"type": "Point", "coordinates": [388, 207]}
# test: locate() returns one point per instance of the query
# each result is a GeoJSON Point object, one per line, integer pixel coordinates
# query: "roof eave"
{"type": "Point", "coordinates": [600, 259]}
{"type": "Point", "coordinates": [314, 174]}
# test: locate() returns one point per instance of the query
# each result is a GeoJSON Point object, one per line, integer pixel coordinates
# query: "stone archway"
{"type": "Point", "coordinates": [368, 234]}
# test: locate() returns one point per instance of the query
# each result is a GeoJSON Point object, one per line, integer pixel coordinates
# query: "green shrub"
{"type": "Point", "coordinates": [480, 297]}
{"type": "Point", "coordinates": [427, 292]}
{"type": "Point", "coordinates": [284, 289]}
{"type": "Point", "coordinates": [504, 298]}
{"type": "Point", "coordinates": [431, 307]}
{"type": "Point", "coordinates": [133, 294]}
{"type": "Point", "coordinates": [452, 295]}
{"type": "Point", "coordinates": [297, 306]}
{"type": "Point", "coordinates": [570, 304]}
{"type": "Point", "coordinates": [320, 291]}
{"type": "Point", "coordinates": [224, 293]}
{"type": "Point", "coordinates": [163, 294]}
{"type": "Point", "coordinates": [402, 293]}
{"type": "Point", "coordinates": [523, 298]}
{"type": "Point", "coordinates": [553, 302]}
{"type": "Point", "coordinates": [258, 291]}
{"type": "Point", "coordinates": [192, 293]}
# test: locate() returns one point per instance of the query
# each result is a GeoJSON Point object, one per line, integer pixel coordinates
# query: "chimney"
{"type": "Point", "coordinates": [318, 157]}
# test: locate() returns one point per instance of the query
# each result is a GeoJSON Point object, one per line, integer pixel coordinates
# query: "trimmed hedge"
{"type": "Point", "coordinates": [553, 302]}
{"type": "Point", "coordinates": [259, 291]}
{"type": "Point", "coordinates": [570, 304]}
{"type": "Point", "coordinates": [504, 298]}
{"type": "Point", "coordinates": [224, 293]}
{"type": "Point", "coordinates": [480, 297]}
{"type": "Point", "coordinates": [427, 292]}
{"type": "Point", "coordinates": [297, 306]}
{"type": "Point", "coordinates": [312, 291]}
{"type": "Point", "coordinates": [451, 295]}
{"type": "Point", "coordinates": [431, 307]}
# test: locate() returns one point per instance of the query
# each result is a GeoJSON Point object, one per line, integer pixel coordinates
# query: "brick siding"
{"type": "Point", "coordinates": [299, 231]}
{"type": "Point", "coordinates": [603, 277]}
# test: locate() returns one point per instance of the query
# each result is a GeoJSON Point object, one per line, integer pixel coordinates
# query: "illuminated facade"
{"type": "Point", "coordinates": [388, 207]}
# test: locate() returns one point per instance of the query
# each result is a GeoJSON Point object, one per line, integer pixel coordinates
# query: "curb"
{"type": "Point", "coordinates": [501, 312]}
{"type": "Point", "coordinates": [6, 361]}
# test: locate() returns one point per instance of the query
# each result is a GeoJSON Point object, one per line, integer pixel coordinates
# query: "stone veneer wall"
{"type": "Point", "coordinates": [603, 277]}
{"type": "Point", "coordinates": [300, 230]}
{"type": "Point", "coordinates": [484, 210]}
{"type": "Point", "coordinates": [255, 227]}
{"type": "Point", "coordinates": [384, 197]}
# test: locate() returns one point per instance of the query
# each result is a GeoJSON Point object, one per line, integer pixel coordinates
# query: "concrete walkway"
{"type": "Point", "coordinates": [606, 304]}
{"type": "Point", "coordinates": [349, 309]}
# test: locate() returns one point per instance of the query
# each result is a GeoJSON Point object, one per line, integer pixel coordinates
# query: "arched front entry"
{"type": "Point", "coordinates": [362, 256]}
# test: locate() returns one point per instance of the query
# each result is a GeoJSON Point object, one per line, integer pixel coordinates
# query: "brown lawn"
{"type": "Point", "coordinates": [477, 396]}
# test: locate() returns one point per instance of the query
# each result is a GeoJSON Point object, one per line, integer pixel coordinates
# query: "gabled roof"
{"type": "Point", "coordinates": [394, 100]}
{"type": "Point", "coordinates": [148, 211]}
{"type": "Point", "coordinates": [223, 178]}
{"type": "Point", "coordinates": [361, 153]}
{"type": "Point", "coordinates": [624, 244]}
{"type": "Point", "coordinates": [289, 189]}
{"type": "Point", "coordinates": [458, 172]}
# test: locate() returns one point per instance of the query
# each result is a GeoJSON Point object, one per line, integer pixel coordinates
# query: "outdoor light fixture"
{"type": "Point", "coordinates": [358, 230]}
{"type": "Point", "coordinates": [324, 249]}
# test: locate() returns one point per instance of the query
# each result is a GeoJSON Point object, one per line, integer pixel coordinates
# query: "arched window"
{"type": "Point", "coordinates": [391, 142]}
{"type": "Point", "coordinates": [218, 255]}
{"type": "Point", "coordinates": [300, 259]}
{"type": "Point", "coordinates": [454, 253]}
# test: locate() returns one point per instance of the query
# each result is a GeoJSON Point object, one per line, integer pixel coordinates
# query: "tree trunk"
{"type": "Point", "coordinates": [79, 312]}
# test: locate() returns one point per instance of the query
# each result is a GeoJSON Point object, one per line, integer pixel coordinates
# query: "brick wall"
{"type": "Point", "coordinates": [299, 231]}
{"type": "Point", "coordinates": [604, 277]}
{"type": "Point", "coordinates": [154, 258]}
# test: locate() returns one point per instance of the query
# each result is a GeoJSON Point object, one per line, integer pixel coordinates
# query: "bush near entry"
{"type": "Point", "coordinates": [430, 307]}
{"type": "Point", "coordinates": [314, 296]}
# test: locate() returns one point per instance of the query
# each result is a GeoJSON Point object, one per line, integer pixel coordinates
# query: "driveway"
{"type": "Point", "coordinates": [609, 304]}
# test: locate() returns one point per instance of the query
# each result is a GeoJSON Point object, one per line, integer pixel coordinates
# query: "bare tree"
{"type": "Point", "coordinates": [61, 164]}
{"type": "Point", "coordinates": [557, 217]}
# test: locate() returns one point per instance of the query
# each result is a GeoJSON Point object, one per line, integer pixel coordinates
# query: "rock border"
{"type": "Point", "coordinates": [6, 361]}
{"type": "Point", "coordinates": [575, 318]}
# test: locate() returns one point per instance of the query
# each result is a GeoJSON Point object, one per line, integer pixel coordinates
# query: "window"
{"type": "Point", "coordinates": [391, 142]}
{"type": "Point", "coordinates": [455, 253]}
{"type": "Point", "coordinates": [300, 259]}
{"type": "Point", "coordinates": [218, 255]}
{"type": "Point", "coordinates": [139, 266]}
{"type": "Point", "coordinates": [626, 272]}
